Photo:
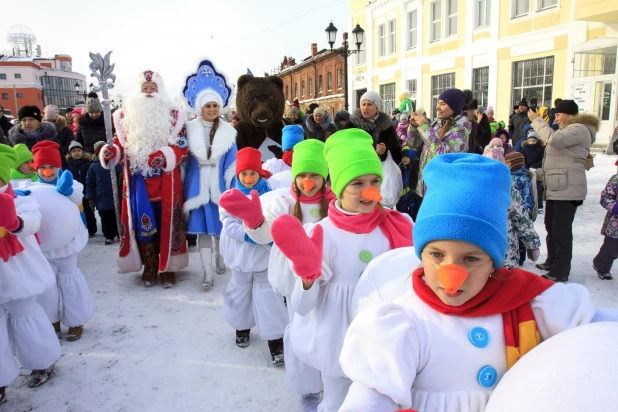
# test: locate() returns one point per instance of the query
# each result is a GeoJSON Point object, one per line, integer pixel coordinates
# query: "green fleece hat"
{"type": "Point", "coordinates": [23, 155]}
{"type": "Point", "coordinates": [309, 158]}
{"type": "Point", "coordinates": [350, 154]}
{"type": "Point", "coordinates": [7, 160]}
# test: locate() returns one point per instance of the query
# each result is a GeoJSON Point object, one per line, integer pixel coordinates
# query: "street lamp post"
{"type": "Point", "coordinates": [78, 93]}
{"type": "Point", "coordinates": [358, 32]}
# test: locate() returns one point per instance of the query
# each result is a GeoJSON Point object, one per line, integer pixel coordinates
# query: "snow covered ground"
{"type": "Point", "coordinates": [170, 350]}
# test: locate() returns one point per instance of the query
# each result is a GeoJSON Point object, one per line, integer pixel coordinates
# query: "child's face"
{"type": "Point", "coordinates": [405, 160]}
{"type": "Point", "coordinates": [361, 195]}
{"type": "Point", "coordinates": [532, 141]}
{"type": "Point", "coordinates": [503, 138]}
{"type": "Point", "coordinates": [473, 259]}
{"type": "Point", "coordinates": [27, 168]}
{"type": "Point", "coordinates": [309, 183]}
{"type": "Point", "coordinates": [249, 178]}
{"type": "Point", "coordinates": [76, 154]}
{"type": "Point", "coordinates": [48, 173]}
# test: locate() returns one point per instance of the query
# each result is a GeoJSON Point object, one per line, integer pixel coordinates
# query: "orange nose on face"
{"type": "Point", "coordinates": [48, 172]}
{"type": "Point", "coordinates": [249, 179]}
{"type": "Point", "coordinates": [308, 184]}
{"type": "Point", "coordinates": [452, 277]}
{"type": "Point", "coordinates": [373, 194]}
{"type": "Point", "coordinates": [32, 167]}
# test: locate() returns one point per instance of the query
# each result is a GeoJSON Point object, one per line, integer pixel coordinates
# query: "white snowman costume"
{"type": "Point", "coordinates": [63, 235]}
{"type": "Point", "coordinates": [25, 330]}
{"type": "Point", "coordinates": [407, 355]}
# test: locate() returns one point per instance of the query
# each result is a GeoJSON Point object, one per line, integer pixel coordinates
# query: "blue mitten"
{"type": "Point", "coordinates": [65, 183]}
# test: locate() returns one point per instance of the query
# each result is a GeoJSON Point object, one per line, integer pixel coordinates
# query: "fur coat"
{"type": "Point", "coordinates": [382, 131]}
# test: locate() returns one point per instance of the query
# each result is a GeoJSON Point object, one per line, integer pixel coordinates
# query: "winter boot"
{"type": "Point", "coordinates": [57, 329]}
{"type": "Point", "coordinates": [219, 263]}
{"type": "Point", "coordinates": [310, 402]}
{"type": "Point", "coordinates": [150, 257]}
{"type": "Point", "coordinates": [75, 333]}
{"type": "Point", "coordinates": [603, 276]}
{"type": "Point", "coordinates": [554, 278]}
{"type": "Point", "coordinates": [209, 279]}
{"type": "Point", "coordinates": [544, 266]}
{"type": "Point", "coordinates": [276, 351]}
{"type": "Point", "coordinates": [2, 395]}
{"type": "Point", "coordinates": [39, 377]}
{"type": "Point", "coordinates": [243, 338]}
{"type": "Point", "coordinates": [168, 279]}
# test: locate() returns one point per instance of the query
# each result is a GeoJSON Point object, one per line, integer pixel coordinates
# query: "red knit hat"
{"type": "Point", "coordinates": [248, 159]}
{"type": "Point", "coordinates": [46, 153]}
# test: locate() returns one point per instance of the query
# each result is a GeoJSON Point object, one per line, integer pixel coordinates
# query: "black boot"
{"type": "Point", "coordinates": [39, 377]}
{"type": "Point", "coordinates": [276, 351]}
{"type": "Point", "coordinates": [2, 395]}
{"type": "Point", "coordinates": [243, 338]}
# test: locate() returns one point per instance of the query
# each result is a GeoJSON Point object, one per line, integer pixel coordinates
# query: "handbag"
{"type": "Point", "coordinates": [392, 184]}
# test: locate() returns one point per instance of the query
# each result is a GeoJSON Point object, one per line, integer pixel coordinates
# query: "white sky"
{"type": "Point", "coordinates": [171, 37]}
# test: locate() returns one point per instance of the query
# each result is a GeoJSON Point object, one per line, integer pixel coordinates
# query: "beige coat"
{"type": "Point", "coordinates": [564, 171]}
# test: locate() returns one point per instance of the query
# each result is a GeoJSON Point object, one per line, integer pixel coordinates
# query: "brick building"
{"type": "Point", "coordinates": [39, 81]}
{"type": "Point", "coordinates": [317, 79]}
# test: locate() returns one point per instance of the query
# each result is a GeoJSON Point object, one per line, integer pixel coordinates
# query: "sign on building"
{"type": "Point", "coordinates": [581, 95]}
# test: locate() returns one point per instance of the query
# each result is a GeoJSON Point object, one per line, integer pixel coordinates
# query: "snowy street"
{"type": "Point", "coordinates": [171, 350]}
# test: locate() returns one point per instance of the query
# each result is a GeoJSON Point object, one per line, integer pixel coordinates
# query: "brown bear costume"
{"type": "Point", "coordinates": [260, 104]}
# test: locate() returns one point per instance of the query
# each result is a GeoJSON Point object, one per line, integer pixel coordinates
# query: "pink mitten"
{"type": "Point", "coordinates": [8, 217]}
{"type": "Point", "coordinates": [248, 210]}
{"type": "Point", "coordinates": [304, 252]}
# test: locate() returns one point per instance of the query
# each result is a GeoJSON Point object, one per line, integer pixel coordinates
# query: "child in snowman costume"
{"type": "Point", "coordinates": [330, 260]}
{"type": "Point", "coordinates": [210, 169]}
{"type": "Point", "coordinates": [25, 330]}
{"type": "Point", "coordinates": [444, 345]}
{"type": "Point", "coordinates": [281, 169]}
{"type": "Point", "coordinates": [307, 201]}
{"type": "Point", "coordinates": [75, 308]}
{"type": "Point", "coordinates": [249, 299]}
{"type": "Point", "coordinates": [23, 173]}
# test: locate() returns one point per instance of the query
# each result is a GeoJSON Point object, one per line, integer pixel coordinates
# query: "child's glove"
{"type": "Point", "coordinates": [248, 210]}
{"type": "Point", "coordinates": [304, 252]}
{"type": "Point", "coordinates": [8, 217]}
{"type": "Point", "coordinates": [615, 209]}
{"type": "Point", "coordinates": [533, 254]}
{"type": "Point", "coordinates": [156, 160]}
{"type": "Point", "coordinates": [109, 152]}
{"type": "Point", "coordinates": [65, 183]}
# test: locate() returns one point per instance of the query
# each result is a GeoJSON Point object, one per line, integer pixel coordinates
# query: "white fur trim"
{"type": "Point", "coordinates": [180, 122]}
{"type": "Point", "coordinates": [170, 158]}
{"type": "Point", "coordinates": [229, 175]}
{"type": "Point", "coordinates": [112, 162]}
{"type": "Point", "coordinates": [118, 124]}
{"type": "Point", "coordinates": [132, 262]}
{"type": "Point", "coordinates": [206, 96]}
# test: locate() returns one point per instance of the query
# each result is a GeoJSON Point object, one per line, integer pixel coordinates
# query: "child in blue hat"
{"type": "Point", "coordinates": [444, 345]}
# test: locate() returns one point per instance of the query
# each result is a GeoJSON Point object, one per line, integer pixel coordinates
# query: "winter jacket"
{"type": "Point", "coordinates": [564, 171]}
{"type": "Point", "coordinates": [90, 131]}
{"type": "Point", "coordinates": [402, 132]}
{"type": "Point", "coordinates": [534, 154]}
{"type": "Point", "coordinates": [519, 121]}
{"type": "Point", "coordinates": [4, 139]}
{"type": "Point", "coordinates": [428, 137]}
{"type": "Point", "coordinates": [65, 135]}
{"type": "Point", "coordinates": [483, 135]}
{"type": "Point", "coordinates": [522, 183]}
{"type": "Point", "coordinates": [321, 131]}
{"type": "Point", "coordinates": [406, 201]}
{"type": "Point", "coordinates": [382, 131]}
{"type": "Point", "coordinates": [5, 126]}
{"type": "Point", "coordinates": [79, 169]}
{"type": "Point", "coordinates": [47, 131]}
{"type": "Point", "coordinates": [520, 227]}
{"type": "Point", "coordinates": [99, 185]}
{"type": "Point", "coordinates": [473, 144]}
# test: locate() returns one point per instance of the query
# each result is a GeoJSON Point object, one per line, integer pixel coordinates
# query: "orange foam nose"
{"type": "Point", "coordinates": [308, 184]}
{"type": "Point", "coordinates": [47, 173]}
{"type": "Point", "coordinates": [32, 167]}
{"type": "Point", "coordinates": [452, 277]}
{"type": "Point", "coordinates": [249, 179]}
{"type": "Point", "coordinates": [373, 194]}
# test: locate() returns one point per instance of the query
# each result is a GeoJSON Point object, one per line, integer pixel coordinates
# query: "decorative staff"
{"type": "Point", "coordinates": [102, 70]}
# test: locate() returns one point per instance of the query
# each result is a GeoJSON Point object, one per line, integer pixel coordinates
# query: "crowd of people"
{"type": "Point", "coordinates": [298, 232]}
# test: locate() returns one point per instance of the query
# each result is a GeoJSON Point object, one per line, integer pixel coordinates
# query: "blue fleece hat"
{"type": "Point", "coordinates": [290, 135]}
{"type": "Point", "coordinates": [467, 199]}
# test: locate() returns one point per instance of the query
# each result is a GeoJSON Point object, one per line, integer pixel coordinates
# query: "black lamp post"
{"type": "Point", "coordinates": [78, 93]}
{"type": "Point", "coordinates": [358, 32]}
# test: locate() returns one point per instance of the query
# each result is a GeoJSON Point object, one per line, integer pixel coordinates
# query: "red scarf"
{"type": "Point", "coordinates": [396, 228]}
{"type": "Point", "coordinates": [507, 293]}
{"type": "Point", "coordinates": [317, 198]}
{"type": "Point", "coordinates": [287, 157]}
{"type": "Point", "coordinates": [9, 243]}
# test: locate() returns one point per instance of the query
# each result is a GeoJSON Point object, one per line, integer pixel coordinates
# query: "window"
{"type": "Point", "coordinates": [412, 88]}
{"type": "Point", "coordinates": [435, 17]}
{"type": "Point", "coordinates": [533, 79]}
{"type": "Point", "coordinates": [387, 93]}
{"type": "Point", "coordinates": [2, 76]}
{"type": "Point", "coordinates": [439, 84]}
{"type": "Point", "coordinates": [287, 92]}
{"type": "Point", "coordinates": [602, 99]}
{"type": "Point", "coordinates": [18, 75]}
{"type": "Point", "coordinates": [295, 90]}
{"type": "Point", "coordinates": [520, 7]}
{"type": "Point", "coordinates": [412, 29]}
{"type": "Point", "coordinates": [480, 85]}
{"type": "Point", "coordinates": [381, 40]}
{"type": "Point", "coordinates": [359, 58]}
{"type": "Point", "coordinates": [339, 78]}
{"type": "Point", "coordinates": [546, 4]}
{"type": "Point", "coordinates": [310, 91]}
{"type": "Point", "coordinates": [20, 95]}
{"type": "Point", "coordinates": [483, 11]}
{"type": "Point", "coordinates": [5, 96]}
{"type": "Point", "coordinates": [329, 81]}
{"type": "Point", "coordinates": [320, 86]}
{"type": "Point", "coordinates": [392, 36]}
{"type": "Point", "coordinates": [451, 19]}
{"type": "Point", "coordinates": [302, 88]}
{"type": "Point", "coordinates": [595, 62]}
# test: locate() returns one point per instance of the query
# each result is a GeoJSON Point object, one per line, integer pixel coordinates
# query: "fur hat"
{"type": "Point", "coordinates": [567, 107]}
{"type": "Point", "coordinates": [51, 112]}
{"type": "Point", "coordinates": [93, 104]}
{"type": "Point", "coordinates": [372, 97]}
{"type": "Point", "coordinates": [29, 111]}
{"type": "Point", "coordinates": [341, 116]}
{"type": "Point", "coordinates": [455, 99]}
{"type": "Point", "coordinates": [312, 107]}
{"type": "Point", "coordinates": [319, 111]}
{"type": "Point", "coordinates": [46, 152]}
{"type": "Point", "coordinates": [516, 160]}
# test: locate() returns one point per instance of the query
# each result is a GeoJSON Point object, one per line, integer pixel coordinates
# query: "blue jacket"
{"type": "Point", "coordinates": [524, 137]}
{"type": "Point", "coordinates": [522, 183]}
{"type": "Point", "coordinates": [99, 185]}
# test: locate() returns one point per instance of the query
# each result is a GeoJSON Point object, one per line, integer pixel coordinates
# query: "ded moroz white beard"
{"type": "Point", "coordinates": [148, 125]}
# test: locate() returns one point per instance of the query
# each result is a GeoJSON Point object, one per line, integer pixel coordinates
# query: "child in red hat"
{"type": "Point", "coordinates": [249, 299]}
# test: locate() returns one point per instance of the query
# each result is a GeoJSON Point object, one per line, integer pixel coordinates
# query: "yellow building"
{"type": "Point", "coordinates": [502, 50]}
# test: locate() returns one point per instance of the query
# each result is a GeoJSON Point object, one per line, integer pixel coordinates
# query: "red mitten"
{"type": "Point", "coordinates": [156, 160]}
{"type": "Point", "coordinates": [304, 252]}
{"type": "Point", "coordinates": [8, 217]}
{"type": "Point", "coordinates": [248, 210]}
{"type": "Point", "coordinates": [109, 152]}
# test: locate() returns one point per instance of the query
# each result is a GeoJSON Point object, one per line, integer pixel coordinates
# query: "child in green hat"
{"type": "Point", "coordinates": [329, 257]}
{"type": "Point", "coordinates": [23, 172]}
